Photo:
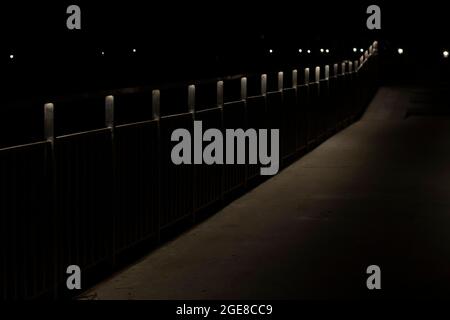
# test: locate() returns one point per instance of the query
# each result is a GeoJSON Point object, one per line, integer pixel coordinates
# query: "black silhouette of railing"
{"type": "Point", "coordinates": [90, 198]}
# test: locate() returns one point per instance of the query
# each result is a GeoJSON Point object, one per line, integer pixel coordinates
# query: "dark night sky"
{"type": "Point", "coordinates": [187, 40]}
{"type": "Point", "coordinates": [132, 20]}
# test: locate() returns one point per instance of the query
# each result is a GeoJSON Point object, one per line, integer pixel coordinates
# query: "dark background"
{"type": "Point", "coordinates": [179, 40]}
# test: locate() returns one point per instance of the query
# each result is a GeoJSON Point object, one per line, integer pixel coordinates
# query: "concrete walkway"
{"type": "Point", "coordinates": [376, 193]}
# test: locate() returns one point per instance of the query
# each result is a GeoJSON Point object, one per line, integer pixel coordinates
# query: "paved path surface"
{"type": "Point", "coordinates": [376, 193]}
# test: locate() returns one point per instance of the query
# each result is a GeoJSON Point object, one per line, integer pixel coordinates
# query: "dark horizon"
{"type": "Point", "coordinates": [187, 42]}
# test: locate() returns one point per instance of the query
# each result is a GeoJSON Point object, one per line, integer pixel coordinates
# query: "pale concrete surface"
{"type": "Point", "coordinates": [376, 193]}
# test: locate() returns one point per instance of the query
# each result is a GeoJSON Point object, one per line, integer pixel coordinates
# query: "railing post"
{"type": "Point", "coordinates": [220, 93]}
{"type": "Point", "coordinates": [375, 46]}
{"type": "Point", "coordinates": [318, 104]}
{"type": "Point", "coordinates": [156, 104]}
{"type": "Point", "coordinates": [109, 123]}
{"type": "Point", "coordinates": [49, 122]}
{"type": "Point", "coordinates": [156, 114]}
{"type": "Point", "coordinates": [337, 96]}
{"type": "Point", "coordinates": [317, 77]}
{"type": "Point", "coordinates": [326, 101]}
{"type": "Point", "coordinates": [280, 81]}
{"type": "Point", "coordinates": [263, 84]}
{"type": "Point", "coordinates": [294, 78]}
{"type": "Point", "coordinates": [344, 101]}
{"type": "Point", "coordinates": [49, 135]}
{"type": "Point", "coordinates": [358, 85]}
{"type": "Point", "coordinates": [191, 98]}
{"type": "Point", "coordinates": [109, 112]}
{"type": "Point", "coordinates": [306, 75]}
{"type": "Point", "coordinates": [191, 109]}
{"type": "Point", "coordinates": [244, 88]}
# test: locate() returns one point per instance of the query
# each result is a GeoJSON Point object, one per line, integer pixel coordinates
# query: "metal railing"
{"type": "Point", "coordinates": [87, 198]}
